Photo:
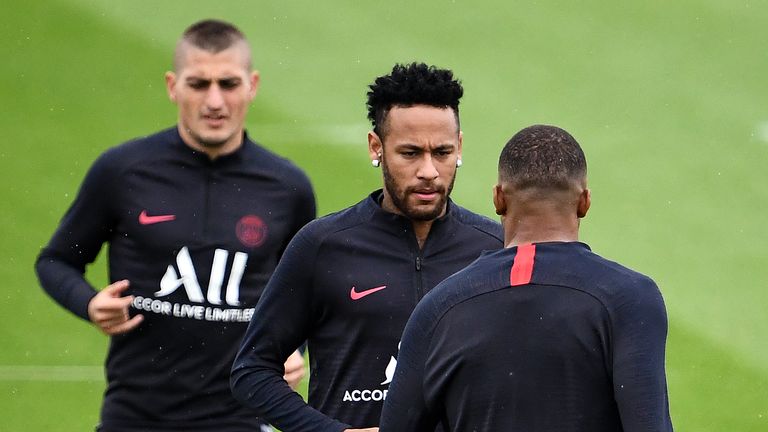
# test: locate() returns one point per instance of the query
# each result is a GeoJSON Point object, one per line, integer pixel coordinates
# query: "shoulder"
{"type": "Point", "coordinates": [613, 284]}
{"type": "Point", "coordinates": [114, 161]}
{"type": "Point", "coordinates": [140, 149]}
{"type": "Point", "coordinates": [333, 224]}
{"type": "Point", "coordinates": [615, 278]}
{"type": "Point", "coordinates": [484, 276]}
{"type": "Point", "coordinates": [280, 167]}
{"type": "Point", "coordinates": [632, 300]}
{"type": "Point", "coordinates": [476, 222]}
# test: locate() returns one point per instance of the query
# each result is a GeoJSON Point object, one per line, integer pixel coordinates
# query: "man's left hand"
{"type": "Point", "coordinates": [294, 369]}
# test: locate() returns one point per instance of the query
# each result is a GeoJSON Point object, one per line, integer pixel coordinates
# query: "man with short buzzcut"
{"type": "Point", "coordinates": [196, 218]}
{"type": "Point", "coordinates": [544, 335]}
{"type": "Point", "coordinates": [348, 282]}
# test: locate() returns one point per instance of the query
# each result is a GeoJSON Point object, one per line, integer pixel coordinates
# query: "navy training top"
{"type": "Point", "coordinates": [198, 240]}
{"type": "Point", "coordinates": [347, 284]}
{"type": "Point", "coordinates": [542, 337]}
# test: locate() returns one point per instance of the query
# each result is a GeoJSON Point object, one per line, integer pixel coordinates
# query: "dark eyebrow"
{"type": "Point", "coordinates": [230, 80]}
{"type": "Point", "coordinates": [409, 147]}
{"type": "Point", "coordinates": [444, 147]}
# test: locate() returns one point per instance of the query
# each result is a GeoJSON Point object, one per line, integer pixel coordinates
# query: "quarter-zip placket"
{"type": "Point", "coordinates": [207, 197]}
{"type": "Point", "coordinates": [419, 263]}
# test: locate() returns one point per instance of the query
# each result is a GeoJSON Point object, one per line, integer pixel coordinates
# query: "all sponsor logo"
{"type": "Point", "coordinates": [186, 277]}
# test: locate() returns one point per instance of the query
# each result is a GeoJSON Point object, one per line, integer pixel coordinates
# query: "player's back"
{"type": "Point", "coordinates": [528, 358]}
{"type": "Point", "coordinates": [544, 338]}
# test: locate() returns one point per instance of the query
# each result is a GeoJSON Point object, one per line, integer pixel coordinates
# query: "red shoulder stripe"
{"type": "Point", "coordinates": [522, 269]}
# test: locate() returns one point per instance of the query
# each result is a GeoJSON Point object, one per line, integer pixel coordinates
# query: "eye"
{"type": "Point", "coordinates": [229, 84]}
{"type": "Point", "coordinates": [409, 153]}
{"type": "Point", "coordinates": [199, 84]}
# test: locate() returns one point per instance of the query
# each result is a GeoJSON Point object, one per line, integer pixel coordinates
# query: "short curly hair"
{"type": "Point", "coordinates": [412, 84]}
{"type": "Point", "coordinates": [544, 157]}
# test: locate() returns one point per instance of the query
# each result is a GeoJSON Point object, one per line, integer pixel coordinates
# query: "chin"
{"type": "Point", "coordinates": [424, 213]}
{"type": "Point", "coordinates": [213, 140]}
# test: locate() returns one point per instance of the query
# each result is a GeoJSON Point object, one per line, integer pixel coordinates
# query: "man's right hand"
{"type": "Point", "coordinates": [109, 311]}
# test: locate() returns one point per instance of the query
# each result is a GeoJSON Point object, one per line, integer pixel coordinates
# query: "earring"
{"type": "Point", "coordinates": [458, 163]}
{"type": "Point", "coordinates": [375, 163]}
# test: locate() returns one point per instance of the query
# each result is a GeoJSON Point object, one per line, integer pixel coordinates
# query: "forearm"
{"type": "Point", "coordinates": [265, 391]}
{"type": "Point", "coordinates": [64, 283]}
{"type": "Point", "coordinates": [279, 325]}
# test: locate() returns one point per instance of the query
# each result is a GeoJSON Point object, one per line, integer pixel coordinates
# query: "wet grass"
{"type": "Point", "coordinates": [667, 100]}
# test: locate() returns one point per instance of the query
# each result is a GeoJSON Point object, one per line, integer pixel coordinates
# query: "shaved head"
{"type": "Point", "coordinates": [543, 157]}
{"type": "Point", "coordinates": [212, 36]}
{"type": "Point", "coordinates": [542, 191]}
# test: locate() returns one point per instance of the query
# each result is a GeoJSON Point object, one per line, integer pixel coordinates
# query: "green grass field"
{"type": "Point", "coordinates": [668, 100]}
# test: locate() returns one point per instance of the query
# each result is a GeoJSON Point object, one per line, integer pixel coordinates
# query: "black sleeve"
{"type": "Point", "coordinates": [280, 325]}
{"type": "Point", "coordinates": [305, 208]}
{"type": "Point", "coordinates": [639, 379]}
{"type": "Point", "coordinates": [406, 408]}
{"type": "Point", "coordinates": [77, 241]}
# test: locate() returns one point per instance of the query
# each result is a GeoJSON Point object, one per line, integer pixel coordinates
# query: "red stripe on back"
{"type": "Point", "coordinates": [522, 269]}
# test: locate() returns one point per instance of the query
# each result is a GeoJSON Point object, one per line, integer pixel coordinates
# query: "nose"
{"type": "Point", "coordinates": [214, 99]}
{"type": "Point", "coordinates": [427, 169]}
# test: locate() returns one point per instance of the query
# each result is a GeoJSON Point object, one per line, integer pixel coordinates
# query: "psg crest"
{"type": "Point", "coordinates": [251, 230]}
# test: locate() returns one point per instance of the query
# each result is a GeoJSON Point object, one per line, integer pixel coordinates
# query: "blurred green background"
{"type": "Point", "coordinates": [668, 100]}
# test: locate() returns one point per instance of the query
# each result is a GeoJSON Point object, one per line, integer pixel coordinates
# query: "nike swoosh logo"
{"type": "Point", "coordinates": [146, 219]}
{"type": "Point", "coordinates": [354, 295]}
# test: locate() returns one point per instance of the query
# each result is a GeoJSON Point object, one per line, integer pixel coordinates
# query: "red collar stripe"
{"type": "Point", "coordinates": [522, 269]}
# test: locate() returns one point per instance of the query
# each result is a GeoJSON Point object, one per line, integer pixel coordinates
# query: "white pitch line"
{"type": "Point", "coordinates": [51, 373]}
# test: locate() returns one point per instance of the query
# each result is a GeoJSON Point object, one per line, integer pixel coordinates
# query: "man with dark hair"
{"type": "Point", "coordinates": [543, 335]}
{"type": "Point", "coordinates": [348, 282]}
{"type": "Point", "coordinates": [196, 218]}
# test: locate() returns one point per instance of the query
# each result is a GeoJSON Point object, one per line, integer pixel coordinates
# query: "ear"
{"type": "Point", "coordinates": [375, 146]}
{"type": "Point", "coordinates": [585, 200]}
{"type": "Point", "coordinates": [255, 80]}
{"type": "Point", "coordinates": [499, 203]}
{"type": "Point", "coordinates": [461, 140]}
{"type": "Point", "coordinates": [170, 85]}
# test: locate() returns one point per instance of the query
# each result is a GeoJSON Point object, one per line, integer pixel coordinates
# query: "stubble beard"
{"type": "Point", "coordinates": [400, 198]}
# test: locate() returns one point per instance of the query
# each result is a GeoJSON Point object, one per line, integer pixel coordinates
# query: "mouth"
{"type": "Point", "coordinates": [426, 194]}
{"type": "Point", "coordinates": [214, 120]}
